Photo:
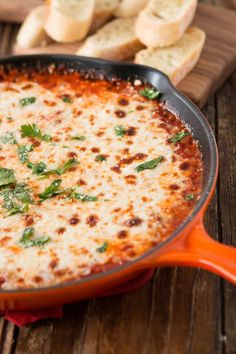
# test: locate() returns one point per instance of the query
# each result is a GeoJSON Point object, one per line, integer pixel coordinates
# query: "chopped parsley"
{"type": "Point", "coordinates": [78, 137]}
{"type": "Point", "coordinates": [51, 191]}
{"type": "Point", "coordinates": [33, 131]}
{"type": "Point", "coordinates": [149, 165]}
{"type": "Point", "coordinates": [9, 138]}
{"type": "Point", "coordinates": [83, 197]}
{"type": "Point", "coordinates": [119, 130]}
{"type": "Point", "coordinates": [67, 99]}
{"type": "Point", "coordinates": [100, 158]}
{"type": "Point", "coordinates": [103, 248]}
{"type": "Point", "coordinates": [6, 176]}
{"type": "Point", "coordinates": [9, 119]}
{"type": "Point", "coordinates": [150, 93]}
{"type": "Point", "coordinates": [27, 101]}
{"type": "Point", "coordinates": [23, 151]}
{"type": "Point", "coordinates": [16, 198]}
{"type": "Point", "coordinates": [189, 197]}
{"type": "Point", "coordinates": [40, 168]}
{"type": "Point", "coordinates": [27, 239]}
{"type": "Point", "coordinates": [37, 168]}
{"type": "Point", "coordinates": [67, 166]}
{"type": "Point", "coordinates": [179, 136]}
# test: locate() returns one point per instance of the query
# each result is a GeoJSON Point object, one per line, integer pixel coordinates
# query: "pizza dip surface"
{"type": "Point", "coordinates": [93, 173]}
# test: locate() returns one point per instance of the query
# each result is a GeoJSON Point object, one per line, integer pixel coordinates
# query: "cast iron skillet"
{"type": "Point", "coordinates": [189, 245]}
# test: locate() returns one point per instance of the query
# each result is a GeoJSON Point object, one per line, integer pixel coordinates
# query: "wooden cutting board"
{"type": "Point", "coordinates": [217, 61]}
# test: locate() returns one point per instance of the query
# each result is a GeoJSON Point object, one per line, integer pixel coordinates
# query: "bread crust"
{"type": "Point", "coordinates": [129, 8]}
{"type": "Point", "coordinates": [175, 71]}
{"type": "Point", "coordinates": [125, 48]}
{"type": "Point", "coordinates": [32, 33]}
{"type": "Point", "coordinates": [155, 33]}
{"type": "Point", "coordinates": [63, 28]}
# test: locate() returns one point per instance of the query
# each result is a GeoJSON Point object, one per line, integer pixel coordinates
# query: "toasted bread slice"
{"type": "Point", "coordinates": [163, 22]}
{"type": "Point", "coordinates": [129, 8]}
{"type": "Point", "coordinates": [115, 41]}
{"type": "Point", "coordinates": [69, 20]}
{"type": "Point", "coordinates": [32, 33]}
{"type": "Point", "coordinates": [104, 10]}
{"type": "Point", "coordinates": [178, 60]}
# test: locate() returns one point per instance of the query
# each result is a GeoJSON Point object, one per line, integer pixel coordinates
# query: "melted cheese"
{"type": "Point", "coordinates": [134, 210]}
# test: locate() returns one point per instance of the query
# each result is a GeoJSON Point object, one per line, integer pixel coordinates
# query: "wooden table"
{"type": "Point", "coordinates": [181, 311]}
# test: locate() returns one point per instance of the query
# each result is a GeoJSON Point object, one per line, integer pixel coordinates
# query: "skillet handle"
{"type": "Point", "coordinates": [198, 249]}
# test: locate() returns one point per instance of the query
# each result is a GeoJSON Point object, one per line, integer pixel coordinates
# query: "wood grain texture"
{"type": "Point", "coordinates": [217, 61]}
{"type": "Point", "coordinates": [181, 311]}
{"type": "Point", "coordinates": [16, 10]}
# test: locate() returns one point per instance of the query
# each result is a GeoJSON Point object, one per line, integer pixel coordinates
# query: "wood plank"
{"type": "Point", "coordinates": [16, 10]}
{"type": "Point", "coordinates": [226, 112]}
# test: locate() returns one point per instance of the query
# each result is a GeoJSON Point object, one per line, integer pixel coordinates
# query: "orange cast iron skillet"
{"type": "Point", "coordinates": [189, 245]}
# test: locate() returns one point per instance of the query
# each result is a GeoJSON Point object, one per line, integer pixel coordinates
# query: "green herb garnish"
{"type": "Point", "coordinates": [78, 137]}
{"type": "Point", "coordinates": [37, 168]}
{"type": "Point", "coordinates": [179, 136]}
{"type": "Point", "coordinates": [189, 197]}
{"type": "Point", "coordinates": [150, 93]}
{"type": "Point", "coordinates": [6, 176]}
{"type": "Point", "coordinates": [119, 130]}
{"type": "Point", "coordinates": [16, 199]}
{"type": "Point", "coordinates": [27, 101]}
{"type": "Point", "coordinates": [67, 99]}
{"type": "Point", "coordinates": [27, 240]}
{"type": "Point", "coordinates": [67, 166]}
{"type": "Point", "coordinates": [41, 168]}
{"type": "Point", "coordinates": [9, 119]}
{"type": "Point", "coordinates": [100, 158]}
{"type": "Point", "coordinates": [51, 191]}
{"type": "Point", "coordinates": [103, 248]}
{"type": "Point", "coordinates": [23, 151]}
{"type": "Point", "coordinates": [9, 138]}
{"type": "Point", "coordinates": [33, 131]}
{"type": "Point", "coordinates": [149, 165]}
{"type": "Point", "coordinates": [83, 197]}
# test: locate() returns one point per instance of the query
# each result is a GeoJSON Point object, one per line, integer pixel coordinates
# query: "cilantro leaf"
{"type": "Point", "coordinates": [100, 158]}
{"type": "Point", "coordinates": [40, 168]}
{"type": "Point", "coordinates": [33, 131]}
{"type": "Point", "coordinates": [119, 130]}
{"type": "Point", "coordinates": [27, 101]}
{"type": "Point", "coordinates": [28, 241]}
{"type": "Point", "coordinates": [6, 176]}
{"type": "Point", "coordinates": [9, 138]}
{"type": "Point", "coordinates": [179, 136]}
{"type": "Point", "coordinates": [103, 248]}
{"type": "Point", "coordinates": [83, 197]}
{"type": "Point", "coordinates": [67, 99]}
{"type": "Point", "coordinates": [23, 151]}
{"type": "Point", "coordinates": [16, 199]}
{"type": "Point", "coordinates": [37, 168]}
{"type": "Point", "coordinates": [51, 191]}
{"type": "Point", "coordinates": [149, 165]}
{"type": "Point", "coordinates": [78, 137]}
{"type": "Point", "coordinates": [67, 166]}
{"type": "Point", "coordinates": [150, 93]}
{"type": "Point", "coordinates": [189, 197]}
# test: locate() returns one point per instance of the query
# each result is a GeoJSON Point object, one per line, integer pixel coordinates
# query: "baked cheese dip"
{"type": "Point", "coordinates": [93, 173]}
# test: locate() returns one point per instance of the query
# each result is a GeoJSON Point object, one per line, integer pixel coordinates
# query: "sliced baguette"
{"type": "Point", "coordinates": [32, 33]}
{"type": "Point", "coordinates": [178, 60]}
{"type": "Point", "coordinates": [115, 41]}
{"type": "Point", "coordinates": [163, 22]}
{"type": "Point", "coordinates": [69, 20]}
{"type": "Point", "coordinates": [104, 10]}
{"type": "Point", "coordinates": [129, 8]}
